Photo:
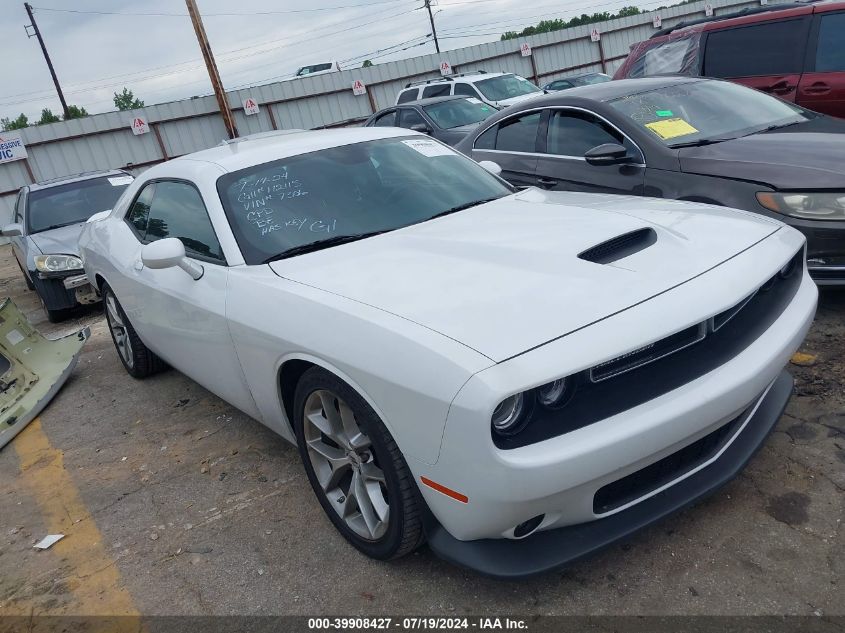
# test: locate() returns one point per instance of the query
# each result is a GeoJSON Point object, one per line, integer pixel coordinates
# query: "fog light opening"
{"type": "Point", "coordinates": [524, 529]}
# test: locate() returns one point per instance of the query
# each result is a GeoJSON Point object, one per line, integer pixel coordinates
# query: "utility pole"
{"type": "Point", "coordinates": [433, 30]}
{"type": "Point", "coordinates": [34, 27]}
{"type": "Point", "coordinates": [213, 73]}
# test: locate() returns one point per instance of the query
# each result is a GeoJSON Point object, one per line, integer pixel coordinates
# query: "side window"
{"type": "Point", "coordinates": [177, 210]}
{"type": "Point", "coordinates": [465, 90]}
{"type": "Point", "coordinates": [560, 85]}
{"type": "Point", "coordinates": [409, 117]}
{"type": "Point", "coordinates": [830, 54]}
{"type": "Point", "coordinates": [408, 95]}
{"type": "Point", "coordinates": [139, 212]}
{"type": "Point", "coordinates": [437, 90]}
{"type": "Point", "coordinates": [771, 48]}
{"type": "Point", "coordinates": [572, 133]}
{"type": "Point", "coordinates": [487, 140]}
{"type": "Point", "coordinates": [518, 134]}
{"type": "Point", "coordinates": [386, 120]}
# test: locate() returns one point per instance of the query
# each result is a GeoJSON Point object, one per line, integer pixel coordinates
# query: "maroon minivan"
{"type": "Point", "coordinates": [794, 51]}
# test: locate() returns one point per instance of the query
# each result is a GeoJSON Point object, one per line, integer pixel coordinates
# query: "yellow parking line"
{"type": "Point", "coordinates": [95, 585]}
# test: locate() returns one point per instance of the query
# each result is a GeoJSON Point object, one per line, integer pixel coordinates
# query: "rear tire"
{"type": "Point", "coordinates": [138, 360]}
{"type": "Point", "coordinates": [355, 467]}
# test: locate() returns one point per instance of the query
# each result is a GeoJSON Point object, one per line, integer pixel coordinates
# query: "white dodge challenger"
{"type": "Point", "coordinates": [518, 377]}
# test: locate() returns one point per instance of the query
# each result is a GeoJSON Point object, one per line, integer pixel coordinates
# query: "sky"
{"type": "Point", "coordinates": [149, 46]}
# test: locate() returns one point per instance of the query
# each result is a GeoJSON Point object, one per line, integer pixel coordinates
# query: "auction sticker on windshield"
{"type": "Point", "coordinates": [671, 128]}
{"type": "Point", "coordinates": [429, 148]}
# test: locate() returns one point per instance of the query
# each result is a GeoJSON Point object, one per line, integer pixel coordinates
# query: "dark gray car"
{"type": "Point", "coordinates": [684, 138]}
{"type": "Point", "coordinates": [45, 234]}
{"type": "Point", "coordinates": [448, 119]}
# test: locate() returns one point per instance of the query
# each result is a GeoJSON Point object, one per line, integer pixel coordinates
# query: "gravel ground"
{"type": "Point", "coordinates": [173, 502]}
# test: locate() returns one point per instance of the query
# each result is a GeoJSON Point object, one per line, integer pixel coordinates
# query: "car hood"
{"type": "Point", "coordinates": [505, 277]}
{"type": "Point", "coordinates": [783, 160]}
{"type": "Point", "coordinates": [519, 99]}
{"type": "Point", "coordinates": [63, 240]}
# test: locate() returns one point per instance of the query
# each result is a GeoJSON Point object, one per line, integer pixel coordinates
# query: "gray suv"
{"type": "Point", "coordinates": [45, 233]}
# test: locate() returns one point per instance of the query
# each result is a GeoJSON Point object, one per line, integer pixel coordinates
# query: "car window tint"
{"type": "Point", "coordinates": [771, 48]}
{"type": "Point", "coordinates": [437, 90]}
{"type": "Point", "coordinates": [560, 85]}
{"type": "Point", "coordinates": [409, 117]}
{"type": "Point", "coordinates": [177, 210]}
{"type": "Point", "coordinates": [518, 134]}
{"type": "Point", "coordinates": [408, 95]}
{"type": "Point", "coordinates": [574, 133]}
{"type": "Point", "coordinates": [487, 140]}
{"type": "Point", "coordinates": [830, 54]}
{"type": "Point", "coordinates": [73, 202]}
{"type": "Point", "coordinates": [466, 90]}
{"type": "Point", "coordinates": [386, 120]}
{"type": "Point", "coordinates": [139, 212]}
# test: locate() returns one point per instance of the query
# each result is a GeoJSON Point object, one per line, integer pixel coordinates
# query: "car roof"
{"type": "Point", "coordinates": [87, 175]}
{"type": "Point", "coordinates": [609, 90]}
{"type": "Point", "coordinates": [465, 77]}
{"type": "Point", "coordinates": [246, 152]}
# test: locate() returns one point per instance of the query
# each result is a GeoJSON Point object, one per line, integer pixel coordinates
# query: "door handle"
{"type": "Point", "coordinates": [818, 88]}
{"type": "Point", "coordinates": [779, 88]}
{"type": "Point", "coordinates": [546, 182]}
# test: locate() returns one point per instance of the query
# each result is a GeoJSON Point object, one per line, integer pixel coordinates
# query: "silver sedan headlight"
{"type": "Point", "coordinates": [809, 206]}
{"type": "Point", "coordinates": [57, 263]}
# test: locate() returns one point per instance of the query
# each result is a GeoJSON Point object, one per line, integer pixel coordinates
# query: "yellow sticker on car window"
{"type": "Point", "coordinates": [671, 128]}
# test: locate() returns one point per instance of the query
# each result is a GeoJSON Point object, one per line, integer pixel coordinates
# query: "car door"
{"type": "Point", "coordinates": [512, 144]}
{"type": "Point", "coordinates": [822, 86]}
{"type": "Point", "coordinates": [180, 318]}
{"type": "Point", "coordinates": [768, 56]}
{"type": "Point", "coordinates": [565, 136]}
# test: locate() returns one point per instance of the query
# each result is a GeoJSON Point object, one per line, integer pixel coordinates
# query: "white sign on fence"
{"type": "Point", "coordinates": [708, 10]}
{"type": "Point", "coordinates": [358, 88]}
{"type": "Point", "coordinates": [657, 21]}
{"type": "Point", "coordinates": [445, 68]}
{"type": "Point", "coordinates": [139, 126]}
{"type": "Point", "coordinates": [11, 147]}
{"type": "Point", "coordinates": [595, 35]}
{"type": "Point", "coordinates": [525, 49]}
{"type": "Point", "coordinates": [250, 106]}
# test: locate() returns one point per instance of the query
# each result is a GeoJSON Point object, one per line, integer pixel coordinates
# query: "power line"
{"type": "Point", "coordinates": [219, 15]}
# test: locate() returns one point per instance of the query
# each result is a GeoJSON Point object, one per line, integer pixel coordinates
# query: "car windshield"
{"type": "Point", "coordinates": [706, 111]}
{"type": "Point", "coordinates": [505, 87]}
{"type": "Point", "coordinates": [458, 112]}
{"type": "Point", "coordinates": [348, 191]}
{"type": "Point", "coordinates": [72, 203]}
{"type": "Point", "coordinates": [587, 80]}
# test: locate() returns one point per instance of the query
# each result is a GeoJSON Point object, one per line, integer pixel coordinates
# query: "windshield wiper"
{"type": "Point", "coordinates": [702, 142]}
{"type": "Point", "coordinates": [56, 226]}
{"type": "Point", "coordinates": [462, 207]}
{"type": "Point", "coordinates": [321, 244]}
{"type": "Point", "coordinates": [776, 126]}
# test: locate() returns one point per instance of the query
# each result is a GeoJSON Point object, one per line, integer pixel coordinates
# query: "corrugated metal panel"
{"type": "Point", "coordinates": [310, 102]}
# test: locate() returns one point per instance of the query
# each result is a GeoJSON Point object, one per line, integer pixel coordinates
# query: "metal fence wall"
{"type": "Point", "coordinates": [105, 141]}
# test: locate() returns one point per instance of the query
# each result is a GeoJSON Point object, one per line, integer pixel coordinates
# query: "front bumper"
{"type": "Point", "coordinates": [552, 549]}
{"type": "Point", "coordinates": [825, 249]}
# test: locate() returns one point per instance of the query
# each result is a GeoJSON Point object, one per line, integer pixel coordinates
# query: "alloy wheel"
{"type": "Point", "coordinates": [118, 329]}
{"type": "Point", "coordinates": [345, 465]}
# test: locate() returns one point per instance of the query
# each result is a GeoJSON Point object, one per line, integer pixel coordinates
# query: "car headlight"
{"type": "Point", "coordinates": [514, 413]}
{"type": "Point", "coordinates": [57, 263]}
{"type": "Point", "coordinates": [810, 206]}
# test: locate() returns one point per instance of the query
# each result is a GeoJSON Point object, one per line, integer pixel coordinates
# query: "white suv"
{"type": "Point", "coordinates": [496, 89]}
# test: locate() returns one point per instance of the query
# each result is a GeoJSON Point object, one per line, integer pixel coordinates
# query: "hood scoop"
{"type": "Point", "coordinates": [620, 246]}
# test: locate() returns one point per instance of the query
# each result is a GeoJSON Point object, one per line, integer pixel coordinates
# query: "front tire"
{"type": "Point", "coordinates": [138, 360]}
{"type": "Point", "coordinates": [355, 468]}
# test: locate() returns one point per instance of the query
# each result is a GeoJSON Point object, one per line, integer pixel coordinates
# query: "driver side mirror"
{"type": "Point", "coordinates": [421, 127]}
{"type": "Point", "coordinates": [169, 253]}
{"type": "Point", "coordinates": [492, 167]}
{"type": "Point", "coordinates": [607, 154]}
{"type": "Point", "coordinates": [12, 230]}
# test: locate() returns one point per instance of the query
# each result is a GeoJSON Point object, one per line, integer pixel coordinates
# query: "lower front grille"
{"type": "Point", "coordinates": [640, 483]}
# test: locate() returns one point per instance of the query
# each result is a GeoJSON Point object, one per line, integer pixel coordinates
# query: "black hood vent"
{"type": "Point", "coordinates": [620, 246]}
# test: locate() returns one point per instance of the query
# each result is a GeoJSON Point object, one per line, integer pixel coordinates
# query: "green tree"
{"type": "Point", "coordinates": [546, 26]}
{"type": "Point", "coordinates": [75, 112]}
{"type": "Point", "coordinates": [126, 100]}
{"type": "Point", "coordinates": [47, 116]}
{"type": "Point", "coordinates": [14, 124]}
{"type": "Point", "coordinates": [367, 63]}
